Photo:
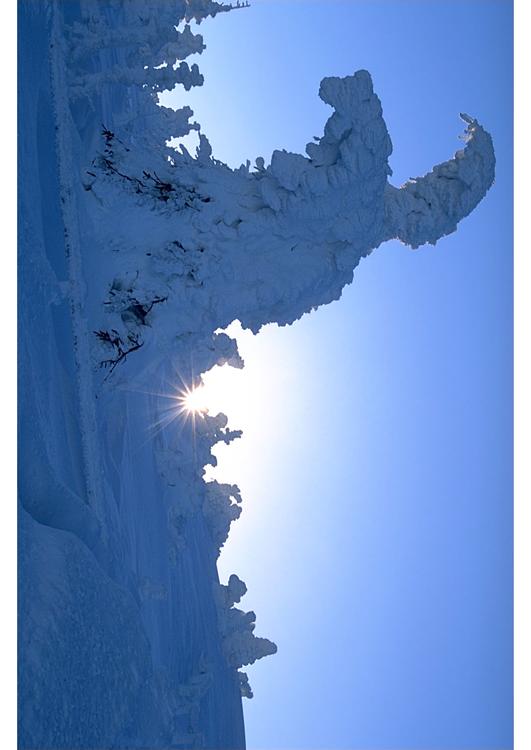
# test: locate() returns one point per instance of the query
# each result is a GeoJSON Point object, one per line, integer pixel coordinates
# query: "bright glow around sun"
{"type": "Point", "coordinates": [195, 401]}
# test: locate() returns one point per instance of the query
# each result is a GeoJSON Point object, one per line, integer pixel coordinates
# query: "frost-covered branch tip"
{"type": "Point", "coordinates": [430, 207]}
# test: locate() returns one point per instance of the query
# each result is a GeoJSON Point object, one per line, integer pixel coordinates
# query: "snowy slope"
{"type": "Point", "coordinates": [120, 645]}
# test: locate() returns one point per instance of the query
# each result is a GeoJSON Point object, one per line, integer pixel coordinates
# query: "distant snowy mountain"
{"type": "Point", "coordinates": [133, 257]}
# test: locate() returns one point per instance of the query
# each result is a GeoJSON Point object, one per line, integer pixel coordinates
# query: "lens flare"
{"type": "Point", "coordinates": [194, 401]}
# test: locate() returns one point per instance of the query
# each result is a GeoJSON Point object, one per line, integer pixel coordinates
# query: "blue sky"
{"type": "Point", "coordinates": [376, 465]}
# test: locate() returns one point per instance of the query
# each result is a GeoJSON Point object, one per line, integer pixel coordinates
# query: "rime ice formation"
{"type": "Point", "coordinates": [134, 256]}
{"type": "Point", "coordinates": [270, 245]}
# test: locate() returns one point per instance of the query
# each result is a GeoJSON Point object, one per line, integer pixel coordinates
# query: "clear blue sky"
{"type": "Point", "coordinates": [376, 538]}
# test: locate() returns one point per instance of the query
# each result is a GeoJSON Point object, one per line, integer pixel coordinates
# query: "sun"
{"type": "Point", "coordinates": [194, 401]}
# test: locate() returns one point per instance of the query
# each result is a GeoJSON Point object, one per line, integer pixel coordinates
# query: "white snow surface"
{"type": "Point", "coordinates": [133, 257]}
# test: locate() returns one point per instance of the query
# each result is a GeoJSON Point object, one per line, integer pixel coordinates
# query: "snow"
{"type": "Point", "coordinates": [119, 639]}
{"type": "Point", "coordinates": [134, 257]}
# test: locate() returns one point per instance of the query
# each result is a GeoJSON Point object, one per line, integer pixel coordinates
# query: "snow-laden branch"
{"type": "Point", "coordinates": [153, 79]}
{"type": "Point", "coordinates": [430, 207]}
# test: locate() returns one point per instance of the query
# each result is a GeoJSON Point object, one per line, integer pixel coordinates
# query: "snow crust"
{"type": "Point", "coordinates": [135, 257]}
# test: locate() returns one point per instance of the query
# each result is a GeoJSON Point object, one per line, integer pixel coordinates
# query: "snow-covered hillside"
{"type": "Point", "coordinates": [133, 257]}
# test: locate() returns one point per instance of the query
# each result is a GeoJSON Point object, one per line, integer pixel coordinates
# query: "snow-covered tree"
{"type": "Point", "coordinates": [220, 511]}
{"type": "Point", "coordinates": [243, 648]}
{"type": "Point", "coordinates": [233, 591]}
{"type": "Point", "coordinates": [245, 687]}
{"type": "Point", "coordinates": [270, 245]}
{"type": "Point", "coordinates": [240, 645]}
